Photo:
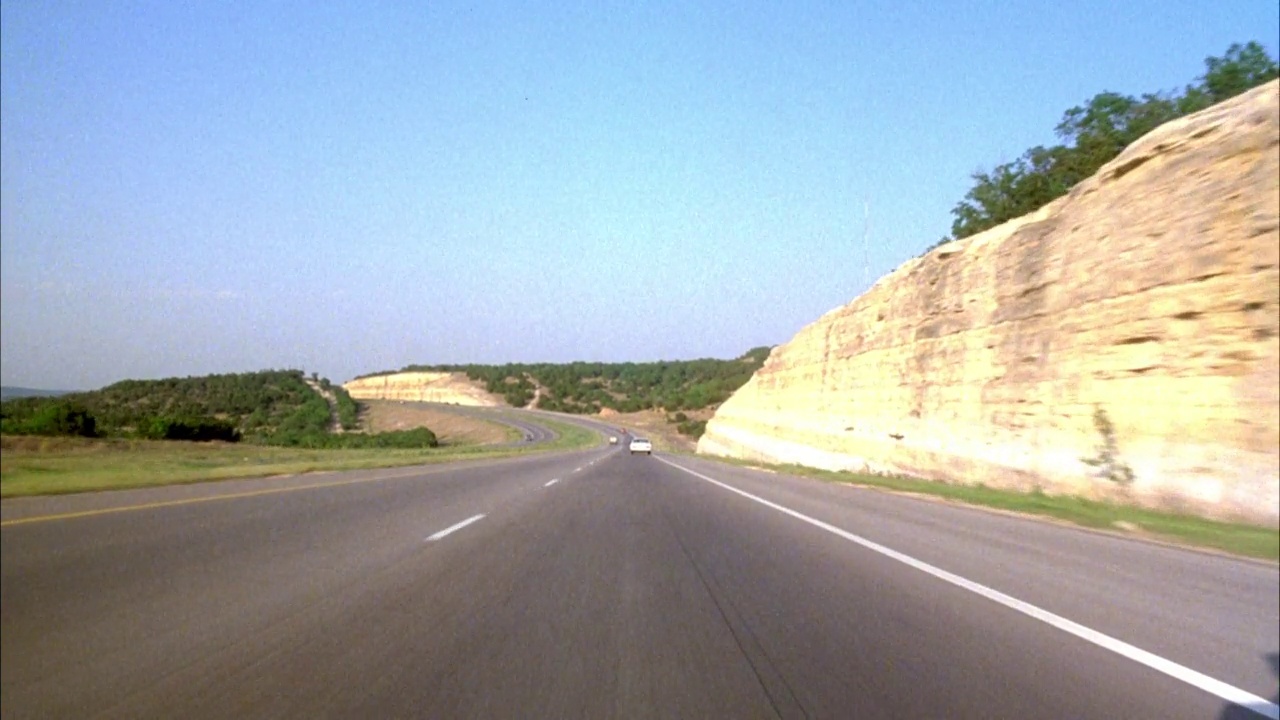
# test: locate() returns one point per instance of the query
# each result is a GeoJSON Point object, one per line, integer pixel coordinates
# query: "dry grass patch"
{"type": "Point", "coordinates": [450, 428]}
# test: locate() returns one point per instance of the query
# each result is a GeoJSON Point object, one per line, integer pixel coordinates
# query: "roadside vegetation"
{"type": "Point", "coordinates": [273, 407]}
{"type": "Point", "coordinates": [348, 408]}
{"type": "Point", "coordinates": [1096, 133]}
{"type": "Point", "coordinates": [46, 465]}
{"type": "Point", "coordinates": [589, 387]}
{"type": "Point", "coordinates": [1235, 538]}
{"type": "Point", "coordinates": [688, 426]}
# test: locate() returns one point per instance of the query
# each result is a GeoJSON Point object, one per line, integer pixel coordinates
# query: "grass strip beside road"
{"type": "Point", "coordinates": [52, 466]}
{"type": "Point", "coordinates": [1234, 538]}
{"type": "Point", "coordinates": [568, 435]}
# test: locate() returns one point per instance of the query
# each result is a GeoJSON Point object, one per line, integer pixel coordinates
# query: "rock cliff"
{"type": "Point", "coordinates": [1147, 299]}
{"type": "Point", "coordinates": [438, 387]}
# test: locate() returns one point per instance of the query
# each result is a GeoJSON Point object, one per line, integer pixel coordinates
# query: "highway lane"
{"type": "Point", "coordinates": [1217, 614]}
{"type": "Point", "coordinates": [596, 584]}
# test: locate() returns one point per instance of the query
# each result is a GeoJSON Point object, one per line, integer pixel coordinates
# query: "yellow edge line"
{"type": "Point", "coordinates": [192, 501]}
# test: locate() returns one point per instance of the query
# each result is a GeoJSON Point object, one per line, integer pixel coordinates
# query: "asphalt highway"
{"type": "Point", "coordinates": [595, 584]}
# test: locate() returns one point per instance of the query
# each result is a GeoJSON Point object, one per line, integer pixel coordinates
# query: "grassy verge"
{"type": "Point", "coordinates": [568, 435]}
{"type": "Point", "coordinates": [509, 435]}
{"type": "Point", "coordinates": [1235, 538]}
{"type": "Point", "coordinates": [48, 466]}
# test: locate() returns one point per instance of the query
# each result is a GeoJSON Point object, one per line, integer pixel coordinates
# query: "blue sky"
{"type": "Point", "coordinates": [343, 187]}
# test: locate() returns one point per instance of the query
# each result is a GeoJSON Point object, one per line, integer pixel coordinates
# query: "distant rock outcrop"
{"type": "Point", "coordinates": [438, 387]}
{"type": "Point", "coordinates": [1139, 312]}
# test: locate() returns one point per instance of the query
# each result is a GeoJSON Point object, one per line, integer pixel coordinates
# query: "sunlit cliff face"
{"type": "Point", "coordinates": [1123, 340]}
{"type": "Point", "coordinates": [422, 387]}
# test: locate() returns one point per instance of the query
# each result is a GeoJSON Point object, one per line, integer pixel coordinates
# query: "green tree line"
{"type": "Point", "coordinates": [588, 387]}
{"type": "Point", "coordinates": [1094, 134]}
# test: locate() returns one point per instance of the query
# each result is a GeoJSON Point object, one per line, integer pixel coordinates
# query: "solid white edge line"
{"type": "Point", "coordinates": [552, 482]}
{"type": "Point", "coordinates": [454, 528]}
{"type": "Point", "coordinates": [1230, 693]}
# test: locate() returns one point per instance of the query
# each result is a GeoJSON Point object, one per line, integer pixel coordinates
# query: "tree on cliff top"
{"type": "Point", "coordinates": [1096, 133]}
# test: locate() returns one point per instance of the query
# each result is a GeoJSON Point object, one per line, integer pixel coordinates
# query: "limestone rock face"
{"type": "Point", "coordinates": [1149, 296]}
{"type": "Point", "coordinates": [438, 387]}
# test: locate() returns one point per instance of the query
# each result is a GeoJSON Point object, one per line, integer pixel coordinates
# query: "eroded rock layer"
{"type": "Point", "coordinates": [438, 387]}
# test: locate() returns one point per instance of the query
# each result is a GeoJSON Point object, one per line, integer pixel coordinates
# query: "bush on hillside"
{"type": "Point", "coordinates": [692, 428]}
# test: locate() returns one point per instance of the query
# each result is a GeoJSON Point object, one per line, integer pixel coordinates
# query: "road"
{"type": "Point", "coordinates": [594, 584]}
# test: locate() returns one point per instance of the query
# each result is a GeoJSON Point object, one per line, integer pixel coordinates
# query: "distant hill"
{"type": "Point", "coordinates": [273, 405]}
{"type": "Point", "coordinates": [588, 387]}
{"type": "Point", "coordinates": [8, 392]}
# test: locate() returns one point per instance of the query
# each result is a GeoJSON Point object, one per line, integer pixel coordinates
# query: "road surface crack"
{"type": "Point", "coordinates": [776, 688]}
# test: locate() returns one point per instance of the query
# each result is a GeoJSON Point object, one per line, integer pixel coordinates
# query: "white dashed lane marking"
{"type": "Point", "coordinates": [454, 528]}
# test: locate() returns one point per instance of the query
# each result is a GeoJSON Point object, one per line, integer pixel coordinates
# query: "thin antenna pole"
{"type": "Point", "coordinates": [866, 255]}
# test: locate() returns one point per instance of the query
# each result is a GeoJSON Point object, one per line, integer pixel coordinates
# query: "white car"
{"type": "Point", "coordinates": [641, 445]}
{"type": "Point", "coordinates": [613, 439]}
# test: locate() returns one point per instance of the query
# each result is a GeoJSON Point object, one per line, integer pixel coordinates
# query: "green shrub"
{"type": "Point", "coordinates": [348, 408]}
{"type": "Point", "coordinates": [416, 438]}
{"type": "Point", "coordinates": [53, 418]}
{"type": "Point", "coordinates": [1107, 459]}
{"type": "Point", "coordinates": [692, 428]}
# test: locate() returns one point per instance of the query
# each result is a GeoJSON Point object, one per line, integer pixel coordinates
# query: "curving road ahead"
{"type": "Point", "coordinates": [599, 585]}
{"type": "Point", "coordinates": [531, 431]}
{"type": "Point", "coordinates": [526, 422]}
